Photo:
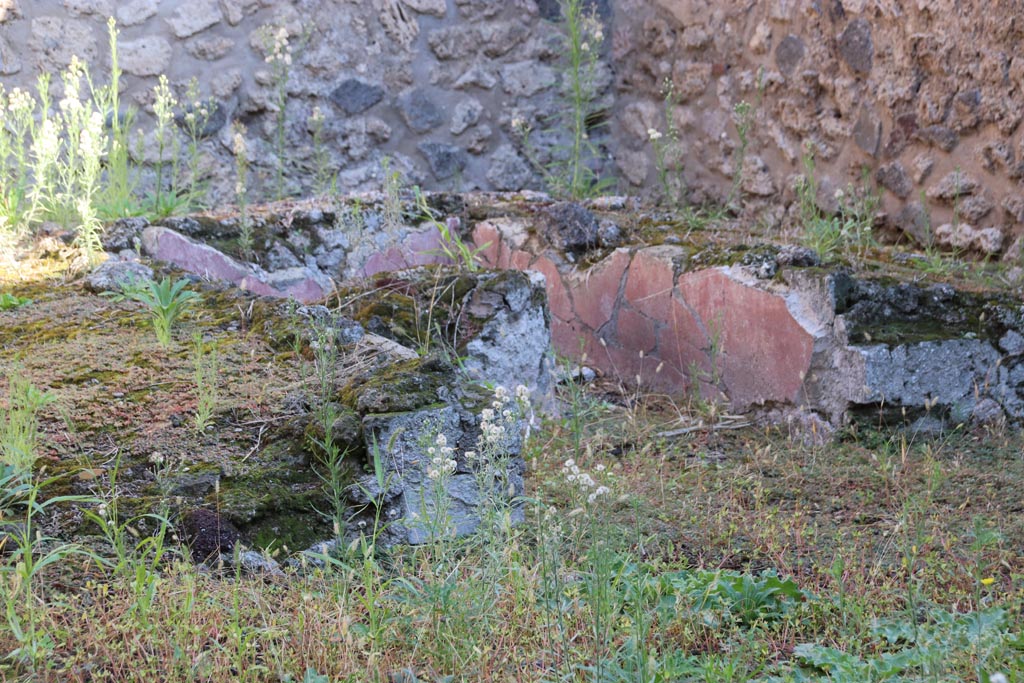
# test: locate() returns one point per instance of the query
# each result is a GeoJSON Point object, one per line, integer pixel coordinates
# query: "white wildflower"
{"type": "Point", "coordinates": [653, 134]}
{"type": "Point", "coordinates": [20, 101]}
{"type": "Point", "coordinates": [598, 492]}
{"type": "Point", "coordinates": [238, 145]}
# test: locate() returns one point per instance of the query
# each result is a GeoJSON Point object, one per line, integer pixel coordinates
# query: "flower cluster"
{"type": "Point", "coordinates": [278, 49]}
{"type": "Point", "coordinates": [441, 455]}
{"type": "Point", "coordinates": [238, 145]}
{"type": "Point", "coordinates": [581, 480]}
{"type": "Point", "coordinates": [654, 134]}
{"type": "Point", "coordinates": [505, 410]}
{"type": "Point", "coordinates": [19, 102]}
{"type": "Point", "coordinates": [592, 31]}
{"type": "Point", "coordinates": [196, 113]}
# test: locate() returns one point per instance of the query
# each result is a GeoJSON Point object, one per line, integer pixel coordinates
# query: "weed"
{"type": "Point", "coordinates": [279, 57]}
{"type": "Point", "coordinates": [194, 121]}
{"type": "Point", "coordinates": [19, 424]}
{"type": "Point", "coordinates": [463, 256]}
{"type": "Point", "coordinates": [324, 181]}
{"type": "Point", "coordinates": [392, 196]}
{"type": "Point", "coordinates": [205, 370]}
{"type": "Point", "coordinates": [30, 555]}
{"type": "Point", "coordinates": [326, 413]}
{"type": "Point", "coordinates": [850, 229]}
{"type": "Point", "coordinates": [668, 157]}
{"type": "Point", "coordinates": [743, 117]}
{"type": "Point", "coordinates": [92, 143]}
{"type": "Point", "coordinates": [161, 202]}
{"type": "Point", "coordinates": [117, 195]}
{"type": "Point", "coordinates": [14, 160]}
{"type": "Point", "coordinates": [10, 301]}
{"type": "Point", "coordinates": [166, 300]}
{"type": "Point", "coordinates": [568, 170]}
{"type": "Point", "coordinates": [136, 557]}
{"type": "Point", "coordinates": [241, 151]}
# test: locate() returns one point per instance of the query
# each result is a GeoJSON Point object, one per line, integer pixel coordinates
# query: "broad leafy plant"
{"type": "Point", "coordinates": [166, 300]}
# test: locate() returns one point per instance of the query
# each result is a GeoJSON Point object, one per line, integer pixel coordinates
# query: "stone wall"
{"type": "Point", "coordinates": [925, 95]}
{"type": "Point", "coordinates": [911, 91]}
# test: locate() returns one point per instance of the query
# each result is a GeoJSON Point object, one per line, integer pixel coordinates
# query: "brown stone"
{"type": "Point", "coordinates": [691, 78]}
{"type": "Point", "coordinates": [681, 343]}
{"type": "Point", "coordinates": [487, 238]}
{"type": "Point", "coordinates": [559, 300]}
{"type": "Point", "coordinates": [760, 351]}
{"type": "Point", "coordinates": [569, 337]}
{"type": "Point", "coordinates": [635, 331]}
{"type": "Point", "coordinates": [856, 46]}
{"type": "Point", "coordinates": [788, 54]}
{"type": "Point", "coordinates": [867, 132]}
{"type": "Point", "coordinates": [596, 291]}
{"type": "Point", "coordinates": [521, 259]}
{"type": "Point", "coordinates": [973, 209]}
{"type": "Point", "coordinates": [1014, 205]}
{"type": "Point", "coordinates": [894, 178]}
{"type": "Point", "coordinates": [942, 137]}
{"type": "Point", "coordinates": [658, 36]}
{"type": "Point", "coordinates": [651, 279]}
{"type": "Point", "coordinates": [953, 185]}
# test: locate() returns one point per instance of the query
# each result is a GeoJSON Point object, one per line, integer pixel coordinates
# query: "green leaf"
{"type": "Point", "coordinates": [9, 301]}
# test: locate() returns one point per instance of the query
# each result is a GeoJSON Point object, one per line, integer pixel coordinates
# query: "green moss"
{"type": "Point", "coordinates": [397, 312]}
{"type": "Point", "coordinates": [36, 333]}
{"type": "Point", "coordinates": [276, 500]}
{"type": "Point", "coordinates": [896, 313]}
{"type": "Point", "coordinates": [401, 387]}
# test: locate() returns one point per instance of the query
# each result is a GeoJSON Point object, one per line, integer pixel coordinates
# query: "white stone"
{"type": "Point", "coordinates": [235, 10]}
{"type": "Point", "coordinates": [476, 76]}
{"type": "Point", "coordinates": [966, 236]}
{"type": "Point", "coordinates": [10, 63]}
{"type": "Point", "coordinates": [194, 16]}
{"type": "Point", "coordinates": [210, 47]}
{"type": "Point", "coordinates": [55, 41]}
{"type": "Point", "coordinates": [136, 12]}
{"type": "Point", "coordinates": [225, 83]}
{"type": "Point", "coordinates": [761, 40]}
{"type": "Point", "coordinates": [467, 113]}
{"type": "Point", "coordinates": [9, 10]}
{"type": "Point", "coordinates": [148, 56]}
{"type": "Point", "coordinates": [438, 8]}
{"type": "Point", "coordinates": [638, 119]}
{"type": "Point", "coordinates": [757, 179]}
{"type": "Point", "coordinates": [524, 79]}
{"type": "Point", "coordinates": [78, 8]}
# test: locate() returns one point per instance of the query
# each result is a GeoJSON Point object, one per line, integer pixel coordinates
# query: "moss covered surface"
{"type": "Point", "coordinates": [126, 407]}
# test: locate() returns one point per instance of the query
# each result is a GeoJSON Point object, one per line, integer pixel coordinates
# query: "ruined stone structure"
{"type": "Point", "coordinates": [923, 97]}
